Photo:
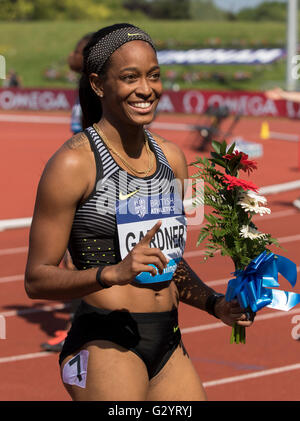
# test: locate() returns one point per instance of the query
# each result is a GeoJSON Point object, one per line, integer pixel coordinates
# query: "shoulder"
{"type": "Point", "coordinates": [78, 141]}
{"type": "Point", "coordinates": [174, 155]}
{"type": "Point", "coordinates": [72, 155]}
{"type": "Point", "coordinates": [69, 167]}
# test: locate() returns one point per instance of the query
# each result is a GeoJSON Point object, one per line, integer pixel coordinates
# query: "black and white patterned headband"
{"type": "Point", "coordinates": [104, 48]}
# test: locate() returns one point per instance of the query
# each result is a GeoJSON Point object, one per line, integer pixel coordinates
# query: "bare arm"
{"type": "Point", "coordinates": [60, 189]}
{"type": "Point", "coordinates": [278, 93]}
{"type": "Point", "coordinates": [191, 289]}
{"type": "Point", "coordinates": [63, 185]}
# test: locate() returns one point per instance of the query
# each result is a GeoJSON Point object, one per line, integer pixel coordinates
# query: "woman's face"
{"type": "Point", "coordinates": [132, 86]}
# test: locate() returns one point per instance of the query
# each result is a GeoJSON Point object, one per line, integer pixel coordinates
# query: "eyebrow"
{"type": "Point", "coordinates": [156, 67]}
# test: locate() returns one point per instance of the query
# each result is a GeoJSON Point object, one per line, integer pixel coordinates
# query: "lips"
{"type": "Point", "coordinates": [141, 107]}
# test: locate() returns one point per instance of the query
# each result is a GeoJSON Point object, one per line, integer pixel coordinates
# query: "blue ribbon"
{"type": "Point", "coordinates": [254, 286]}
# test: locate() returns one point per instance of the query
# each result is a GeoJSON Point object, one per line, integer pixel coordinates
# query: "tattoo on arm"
{"type": "Point", "coordinates": [191, 289]}
{"type": "Point", "coordinates": [79, 139]}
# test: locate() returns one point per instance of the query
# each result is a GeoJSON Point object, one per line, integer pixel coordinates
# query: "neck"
{"type": "Point", "coordinates": [129, 138]}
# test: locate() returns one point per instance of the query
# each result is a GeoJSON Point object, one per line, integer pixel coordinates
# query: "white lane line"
{"type": "Point", "coordinates": [207, 384]}
{"type": "Point", "coordinates": [223, 281]}
{"type": "Point", "coordinates": [21, 357]}
{"type": "Point", "coordinates": [193, 253]}
{"type": "Point", "coordinates": [24, 249]}
{"type": "Point", "coordinates": [278, 188]}
{"type": "Point", "coordinates": [61, 306]}
{"type": "Point", "coordinates": [34, 119]}
{"type": "Point", "coordinates": [31, 310]}
{"type": "Point", "coordinates": [278, 214]}
{"type": "Point", "coordinates": [271, 315]}
{"type": "Point", "coordinates": [281, 240]}
{"type": "Point", "coordinates": [254, 375]}
{"type": "Point", "coordinates": [13, 250]}
{"type": "Point", "coordinates": [273, 215]}
{"type": "Point", "coordinates": [12, 278]}
{"type": "Point", "coordinates": [6, 224]}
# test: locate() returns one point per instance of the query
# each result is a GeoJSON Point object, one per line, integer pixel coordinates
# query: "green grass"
{"type": "Point", "coordinates": [31, 47]}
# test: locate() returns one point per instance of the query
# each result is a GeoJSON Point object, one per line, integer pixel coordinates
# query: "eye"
{"type": "Point", "coordinates": [129, 78]}
{"type": "Point", "coordinates": [155, 76]}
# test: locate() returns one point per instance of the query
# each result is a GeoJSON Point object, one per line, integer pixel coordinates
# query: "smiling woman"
{"type": "Point", "coordinates": [113, 179]}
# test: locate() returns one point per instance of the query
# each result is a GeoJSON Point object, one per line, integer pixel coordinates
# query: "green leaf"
{"type": "Point", "coordinates": [231, 149]}
{"type": "Point", "coordinates": [202, 237]}
{"type": "Point", "coordinates": [219, 162]}
{"type": "Point", "coordinates": [215, 155]}
{"type": "Point", "coordinates": [223, 148]}
{"type": "Point", "coordinates": [216, 145]}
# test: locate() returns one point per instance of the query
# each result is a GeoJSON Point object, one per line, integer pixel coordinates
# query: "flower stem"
{"type": "Point", "coordinates": [238, 334]}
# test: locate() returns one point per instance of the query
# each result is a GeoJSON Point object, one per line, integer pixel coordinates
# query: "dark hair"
{"type": "Point", "coordinates": [89, 100]}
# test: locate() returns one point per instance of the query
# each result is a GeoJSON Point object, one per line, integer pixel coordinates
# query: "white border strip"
{"type": "Point", "coordinates": [256, 374]}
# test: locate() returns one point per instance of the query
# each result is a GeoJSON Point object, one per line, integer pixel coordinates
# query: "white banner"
{"type": "Point", "coordinates": [220, 56]}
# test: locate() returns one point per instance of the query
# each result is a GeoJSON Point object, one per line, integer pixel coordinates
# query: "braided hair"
{"type": "Point", "coordinates": [96, 58]}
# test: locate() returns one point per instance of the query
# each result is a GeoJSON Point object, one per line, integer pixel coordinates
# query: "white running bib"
{"type": "Point", "coordinates": [137, 215]}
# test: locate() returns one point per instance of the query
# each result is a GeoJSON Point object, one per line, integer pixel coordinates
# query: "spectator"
{"type": "Point", "coordinates": [13, 80]}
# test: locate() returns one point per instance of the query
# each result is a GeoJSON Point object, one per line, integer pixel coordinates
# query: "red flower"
{"type": "Point", "coordinates": [237, 182]}
{"type": "Point", "coordinates": [245, 164]}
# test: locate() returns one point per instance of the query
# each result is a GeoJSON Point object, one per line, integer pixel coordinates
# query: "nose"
{"type": "Point", "coordinates": [144, 88]}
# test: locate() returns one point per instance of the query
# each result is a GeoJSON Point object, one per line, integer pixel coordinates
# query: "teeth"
{"type": "Point", "coordinates": [141, 104]}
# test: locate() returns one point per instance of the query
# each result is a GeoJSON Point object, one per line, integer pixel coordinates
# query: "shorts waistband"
{"type": "Point", "coordinates": [151, 317]}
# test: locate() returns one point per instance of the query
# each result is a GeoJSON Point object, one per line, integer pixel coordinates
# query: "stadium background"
{"type": "Point", "coordinates": [36, 38]}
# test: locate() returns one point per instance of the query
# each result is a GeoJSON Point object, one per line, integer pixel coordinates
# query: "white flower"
{"type": "Point", "coordinates": [250, 201]}
{"type": "Point", "coordinates": [254, 196]}
{"type": "Point", "coordinates": [252, 233]}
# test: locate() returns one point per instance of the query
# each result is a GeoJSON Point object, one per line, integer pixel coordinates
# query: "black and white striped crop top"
{"type": "Point", "coordinates": [93, 239]}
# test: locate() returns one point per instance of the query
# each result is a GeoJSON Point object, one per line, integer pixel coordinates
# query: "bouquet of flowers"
{"type": "Point", "coordinates": [230, 229]}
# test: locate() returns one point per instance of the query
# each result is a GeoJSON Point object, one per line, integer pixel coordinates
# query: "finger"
{"type": "Point", "coordinates": [245, 323]}
{"type": "Point", "coordinates": [150, 234]}
{"type": "Point", "coordinates": [148, 268]}
{"type": "Point", "coordinates": [235, 307]}
{"type": "Point", "coordinates": [156, 252]}
{"type": "Point", "coordinates": [150, 260]}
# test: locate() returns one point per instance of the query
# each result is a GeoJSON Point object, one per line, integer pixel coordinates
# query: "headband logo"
{"type": "Point", "coordinates": [132, 35]}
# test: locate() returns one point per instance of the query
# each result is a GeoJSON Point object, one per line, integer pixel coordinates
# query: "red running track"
{"type": "Point", "coordinates": [267, 368]}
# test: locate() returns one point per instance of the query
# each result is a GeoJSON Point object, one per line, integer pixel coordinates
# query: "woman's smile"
{"type": "Point", "coordinates": [142, 107]}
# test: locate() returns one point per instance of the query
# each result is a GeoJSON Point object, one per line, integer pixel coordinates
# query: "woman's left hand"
{"type": "Point", "coordinates": [231, 313]}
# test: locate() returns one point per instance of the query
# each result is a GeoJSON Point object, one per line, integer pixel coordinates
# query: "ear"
{"type": "Point", "coordinates": [96, 84]}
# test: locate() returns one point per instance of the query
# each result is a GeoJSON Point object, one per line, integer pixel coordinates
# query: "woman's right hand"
{"type": "Point", "coordinates": [275, 94]}
{"type": "Point", "coordinates": [138, 260]}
